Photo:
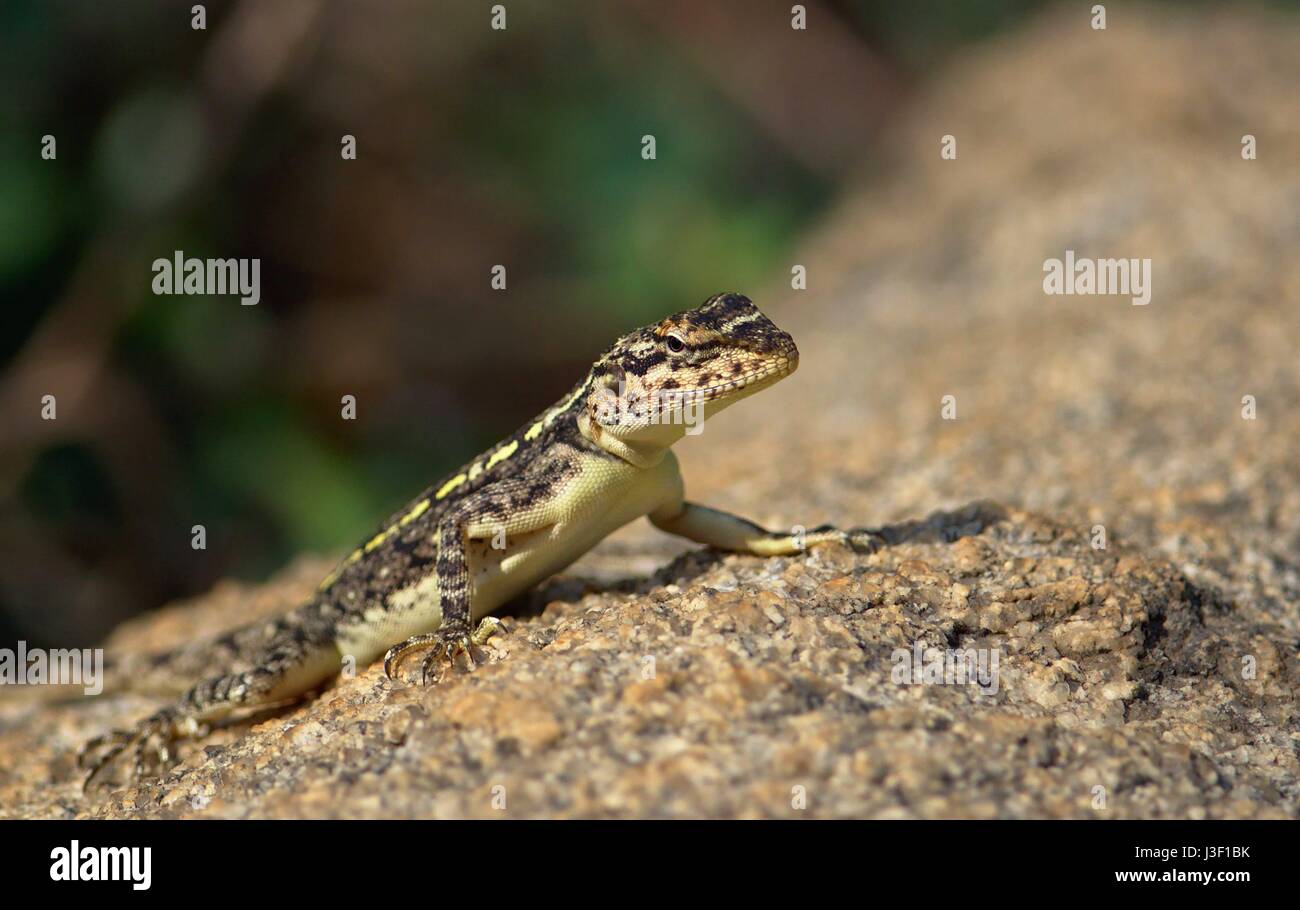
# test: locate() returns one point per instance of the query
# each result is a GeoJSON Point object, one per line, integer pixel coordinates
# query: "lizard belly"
{"type": "Point", "coordinates": [600, 498]}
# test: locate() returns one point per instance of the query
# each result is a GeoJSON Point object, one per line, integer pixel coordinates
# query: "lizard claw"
{"type": "Point", "coordinates": [149, 744]}
{"type": "Point", "coordinates": [444, 646]}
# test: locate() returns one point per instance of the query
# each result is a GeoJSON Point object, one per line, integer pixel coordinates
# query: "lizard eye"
{"type": "Point", "coordinates": [674, 344]}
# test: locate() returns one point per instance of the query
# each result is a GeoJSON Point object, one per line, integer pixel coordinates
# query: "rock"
{"type": "Point", "coordinates": [998, 656]}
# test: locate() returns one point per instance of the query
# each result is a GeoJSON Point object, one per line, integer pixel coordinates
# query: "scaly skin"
{"type": "Point", "coordinates": [520, 512]}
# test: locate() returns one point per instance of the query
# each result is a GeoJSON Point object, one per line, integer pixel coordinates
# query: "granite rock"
{"type": "Point", "coordinates": [1100, 518]}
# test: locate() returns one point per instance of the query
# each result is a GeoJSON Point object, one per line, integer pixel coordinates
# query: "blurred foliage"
{"type": "Point", "coordinates": [475, 148]}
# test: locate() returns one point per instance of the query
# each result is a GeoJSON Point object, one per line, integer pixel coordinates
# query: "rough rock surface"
{"type": "Point", "coordinates": [1153, 677]}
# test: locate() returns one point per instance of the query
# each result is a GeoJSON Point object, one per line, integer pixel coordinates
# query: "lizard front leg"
{"type": "Point", "coordinates": [500, 506]}
{"type": "Point", "coordinates": [725, 531]}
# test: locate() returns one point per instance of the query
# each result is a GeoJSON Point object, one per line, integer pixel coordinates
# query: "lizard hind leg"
{"type": "Point", "coordinates": [443, 646]}
{"type": "Point", "coordinates": [277, 678]}
{"type": "Point", "coordinates": [149, 744]}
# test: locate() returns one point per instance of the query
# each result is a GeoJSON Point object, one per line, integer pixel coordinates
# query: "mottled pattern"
{"type": "Point", "coordinates": [520, 511]}
{"type": "Point", "coordinates": [698, 355]}
{"type": "Point", "coordinates": [1122, 666]}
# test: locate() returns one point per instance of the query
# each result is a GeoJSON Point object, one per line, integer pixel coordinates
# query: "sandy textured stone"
{"type": "Point", "coordinates": [732, 686]}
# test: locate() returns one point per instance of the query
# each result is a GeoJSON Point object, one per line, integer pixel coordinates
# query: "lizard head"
{"type": "Point", "coordinates": [662, 381]}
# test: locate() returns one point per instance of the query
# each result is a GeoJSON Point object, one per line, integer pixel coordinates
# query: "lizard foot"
{"type": "Point", "coordinates": [444, 646]}
{"type": "Point", "coordinates": [149, 745]}
{"type": "Point", "coordinates": [860, 540]}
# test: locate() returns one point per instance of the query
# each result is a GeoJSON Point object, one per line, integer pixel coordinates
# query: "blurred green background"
{"type": "Point", "coordinates": [475, 147]}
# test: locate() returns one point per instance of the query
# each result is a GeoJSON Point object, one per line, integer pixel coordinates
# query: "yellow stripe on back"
{"type": "Point", "coordinates": [449, 486]}
{"type": "Point", "coordinates": [334, 576]}
{"type": "Point", "coordinates": [378, 539]}
{"type": "Point", "coordinates": [503, 453]}
{"type": "Point", "coordinates": [420, 508]}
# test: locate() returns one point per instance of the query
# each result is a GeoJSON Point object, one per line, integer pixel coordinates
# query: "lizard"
{"type": "Point", "coordinates": [521, 511]}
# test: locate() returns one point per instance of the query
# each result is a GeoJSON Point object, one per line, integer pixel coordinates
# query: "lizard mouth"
{"type": "Point", "coordinates": [679, 406]}
{"type": "Point", "coordinates": [770, 373]}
